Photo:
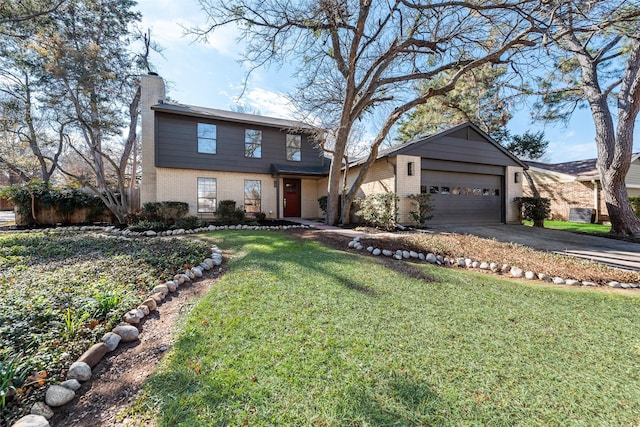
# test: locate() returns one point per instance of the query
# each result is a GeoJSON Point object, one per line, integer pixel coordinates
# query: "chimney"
{"type": "Point", "coordinates": [152, 92]}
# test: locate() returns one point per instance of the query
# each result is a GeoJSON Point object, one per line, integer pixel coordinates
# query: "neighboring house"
{"type": "Point", "coordinates": [577, 185]}
{"type": "Point", "coordinates": [471, 178]}
{"type": "Point", "coordinates": [201, 156]}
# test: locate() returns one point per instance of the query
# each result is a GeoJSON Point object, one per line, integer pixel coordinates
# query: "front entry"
{"type": "Point", "coordinates": [291, 197]}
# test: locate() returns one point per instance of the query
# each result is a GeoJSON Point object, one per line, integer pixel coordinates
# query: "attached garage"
{"type": "Point", "coordinates": [464, 198]}
{"type": "Point", "coordinates": [470, 177]}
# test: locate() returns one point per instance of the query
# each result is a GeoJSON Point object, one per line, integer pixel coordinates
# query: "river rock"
{"type": "Point", "coordinates": [79, 371]}
{"type": "Point", "coordinates": [376, 252]}
{"type": "Point", "coordinates": [94, 354]}
{"type": "Point", "coordinates": [431, 258]}
{"type": "Point", "coordinates": [41, 408]}
{"type": "Point", "coordinates": [516, 272]}
{"type": "Point", "coordinates": [127, 333]}
{"type": "Point", "coordinates": [71, 384]}
{"type": "Point", "coordinates": [57, 396]}
{"type": "Point", "coordinates": [32, 420]}
{"type": "Point", "coordinates": [161, 288]}
{"type": "Point", "coordinates": [150, 303]}
{"type": "Point", "coordinates": [558, 280]}
{"type": "Point", "coordinates": [530, 275]}
{"type": "Point", "coordinates": [387, 252]}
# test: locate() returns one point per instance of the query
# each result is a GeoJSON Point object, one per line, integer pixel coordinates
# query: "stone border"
{"type": "Point", "coordinates": [468, 263]}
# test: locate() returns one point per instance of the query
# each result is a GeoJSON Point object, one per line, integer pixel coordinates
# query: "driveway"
{"type": "Point", "coordinates": [616, 253]}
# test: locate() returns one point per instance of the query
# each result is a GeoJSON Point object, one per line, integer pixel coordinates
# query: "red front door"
{"type": "Point", "coordinates": [291, 197]}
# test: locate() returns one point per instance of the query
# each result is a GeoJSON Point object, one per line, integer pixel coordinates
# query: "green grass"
{"type": "Point", "coordinates": [575, 227]}
{"type": "Point", "coordinates": [299, 334]}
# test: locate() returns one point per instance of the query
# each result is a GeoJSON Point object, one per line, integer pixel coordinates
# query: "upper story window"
{"type": "Point", "coordinates": [253, 143]}
{"type": "Point", "coordinates": [294, 146]}
{"type": "Point", "coordinates": [207, 135]}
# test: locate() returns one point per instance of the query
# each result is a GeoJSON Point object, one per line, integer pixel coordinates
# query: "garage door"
{"type": "Point", "coordinates": [463, 198]}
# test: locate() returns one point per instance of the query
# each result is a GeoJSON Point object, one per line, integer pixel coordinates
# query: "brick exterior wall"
{"type": "Point", "coordinates": [406, 185]}
{"type": "Point", "coordinates": [565, 195]}
{"type": "Point", "coordinates": [512, 190]}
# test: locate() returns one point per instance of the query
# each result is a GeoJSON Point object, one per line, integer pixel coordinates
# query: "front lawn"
{"type": "Point", "coordinates": [575, 227]}
{"type": "Point", "coordinates": [299, 334]}
{"type": "Point", "coordinates": [61, 292]}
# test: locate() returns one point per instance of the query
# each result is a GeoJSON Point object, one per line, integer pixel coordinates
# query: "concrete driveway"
{"type": "Point", "coordinates": [616, 253]}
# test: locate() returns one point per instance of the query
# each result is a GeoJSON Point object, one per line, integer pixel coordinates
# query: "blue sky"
{"type": "Point", "coordinates": [209, 75]}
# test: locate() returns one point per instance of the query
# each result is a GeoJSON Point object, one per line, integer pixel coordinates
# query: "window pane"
{"type": "Point", "coordinates": [207, 135]}
{"type": "Point", "coordinates": [445, 190]}
{"type": "Point", "coordinates": [253, 143]}
{"type": "Point", "coordinates": [207, 195]}
{"type": "Point", "coordinates": [294, 144]}
{"type": "Point", "coordinates": [434, 190]}
{"type": "Point", "coordinates": [252, 196]}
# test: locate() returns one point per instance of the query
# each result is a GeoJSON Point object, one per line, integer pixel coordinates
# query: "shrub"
{"type": "Point", "coordinates": [260, 216]}
{"type": "Point", "coordinates": [535, 209]}
{"type": "Point", "coordinates": [145, 225]}
{"type": "Point", "coordinates": [423, 203]}
{"type": "Point", "coordinates": [379, 210]}
{"type": "Point", "coordinates": [322, 202]}
{"type": "Point", "coordinates": [188, 222]}
{"type": "Point", "coordinates": [167, 212]}
{"type": "Point", "coordinates": [635, 204]}
{"type": "Point", "coordinates": [228, 214]}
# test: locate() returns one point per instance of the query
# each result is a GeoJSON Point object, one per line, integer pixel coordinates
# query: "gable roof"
{"type": "Point", "coordinates": [404, 147]}
{"type": "Point", "coordinates": [581, 169]}
{"type": "Point", "coordinates": [231, 116]}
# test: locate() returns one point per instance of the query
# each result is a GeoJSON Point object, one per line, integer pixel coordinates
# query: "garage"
{"type": "Point", "coordinates": [463, 198]}
{"type": "Point", "coordinates": [470, 178]}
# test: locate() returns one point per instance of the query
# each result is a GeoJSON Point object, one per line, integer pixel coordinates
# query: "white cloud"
{"type": "Point", "coordinates": [269, 103]}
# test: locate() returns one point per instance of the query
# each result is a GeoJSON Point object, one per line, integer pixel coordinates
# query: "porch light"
{"type": "Point", "coordinates": [516, 177]}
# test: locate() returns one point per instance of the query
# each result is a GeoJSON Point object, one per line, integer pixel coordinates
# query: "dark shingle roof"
{"type": "Point", "coordinates": [231, 116]}
{"type": "Point", "coordinates": [582, 169]}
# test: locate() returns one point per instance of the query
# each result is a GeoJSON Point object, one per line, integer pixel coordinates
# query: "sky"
{"type": "Point", "coordinates": [209, 75]}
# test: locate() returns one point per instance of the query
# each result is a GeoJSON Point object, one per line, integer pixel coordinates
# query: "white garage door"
{"type": "Point", "coordinates": [463, 198]}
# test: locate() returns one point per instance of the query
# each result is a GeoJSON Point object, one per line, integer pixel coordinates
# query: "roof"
{"type": "Point", "coordinates": [398, 149]}
{"type": "Point", "coordinates": [323, 170]}
{"type": "Point", "coordinates": [582, 169]}
{"type": "Point", "coordinates": [230, 116]}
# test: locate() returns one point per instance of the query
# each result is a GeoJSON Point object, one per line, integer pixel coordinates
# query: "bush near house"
{"type": "Point", "coordinates": [535, 209]}
{"type": "Point", "coordinates": [38, 203]}
{"type": "Point", "coordinates": [422, 202]}
{"type": "Point", "coordinates": [635, 204]}
{"type": "Point", "coordinates": [379, 210]}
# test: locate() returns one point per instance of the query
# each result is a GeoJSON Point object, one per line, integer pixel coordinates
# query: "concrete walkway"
{"type": "Point", "coordinates": [612, 252]}
{"type": "Point", "coordinates": [7, 218]}
{"type": "Point", "coordinates": [616, 253]}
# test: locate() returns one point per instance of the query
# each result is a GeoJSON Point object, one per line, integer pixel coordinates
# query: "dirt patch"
{"type": "Point", "coordinates": [119, 377]}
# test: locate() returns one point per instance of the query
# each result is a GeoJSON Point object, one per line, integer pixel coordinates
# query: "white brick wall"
{"type": "Point", "coordinates": [152, 91]}
{"type": "Point", "coordinates": [513, 190]}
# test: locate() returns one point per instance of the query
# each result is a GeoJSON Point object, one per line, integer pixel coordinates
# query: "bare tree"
{"type": "Point", "coordinates": [357, 58]}
{"type": "Point", "coordinates": [595, 47]}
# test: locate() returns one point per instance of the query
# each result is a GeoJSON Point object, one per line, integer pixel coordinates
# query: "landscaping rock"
{"type": "Point", "coordinates": [111, 340]}
{"type": "Point", "coordinates": [161, 288]}
{"type": "Point", "coordinates": [179, 279]}
{"type": "Point", "coordinates": [32, 420]}
{"type": "Point", "coordinates": [421, 256]}
{"type": "Point", "coordinates": [57, 396]}
{"type": "Point", "coordinates": [71, 384]}
{"type": "Point", "coordinates": [468, 262]}
{"type": "Point", "coordinates": [591, 284]}
{"type": "Point", "coordinates": [572, 282]}
{"type": "Point", "coordinates": [94, 355]}
{"type": "Point", "coordinates": [157, 297]}
{"type": "Point", "coordinates": [41, 408]}
{"type": "Point", "coordinates": [484, 266]}
{"type": "Point", "coordinates": [150, 233]}
{"type": "Point", "coordinates": [461, 262]}
{"type": "Point", "coordinates": [387, 252]}
{"type": "Point", "coordinates": [558, 280]}
{"type": "Point", "coordinates": [614, 284]}
{"type": "Point", "coordinates": [209, 262]}
{"type": "Point", "coordinates": [133, 316]}
{"type": "Point", "coordinates": [144, 309]}
{"type": "Point", "coordinates": [127, 333]}
{"type": "Point", "coordinates": [493, 267]}
{"type": "Point", "coordinates": [398, 257]}
{"type": "Point", "coordinates": [370, 248]}
{"type": "Point", "coordinates": [406, 254]}
{"type": "Point", "coordinates": [197, 271]}
{"type": "Point", "coordinates": [151, 303]}
{"type": "Point", "coordinates": [516, 272]}
{"type": "Point", "coordinates": [475, 264]}
{"type": "Point", "coordinates": [376, 252]}
{"type": "Point", "coordinates": [625, 285]}
{"type": "Point", "coordinates": [530, 275]}
{"type": "Point", "coordinates": [173, 286]}
{"type": "Point", "coordinates": [79, 371]}
{"type": "Point", "coordinates": [431, 258]}
{"type": "Point", "coordinates": [413, 254]}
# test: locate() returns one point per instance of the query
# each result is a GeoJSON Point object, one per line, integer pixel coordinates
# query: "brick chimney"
{"type": "Point", "coordinates": [152, 93]}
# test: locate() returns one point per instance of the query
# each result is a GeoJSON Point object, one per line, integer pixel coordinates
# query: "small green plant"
{"type": "Point", "coordinates": [13, 374]}
{"type": "Point", "coordinates": [148, 225]}
{"type": "Point", "coordinates": [322, 202]}
{"type": "Point", "coordinates": [379, 210]}
{"type": "Point", "coordinates": [260, 216]}
{"type": "Point", "coordinates": [422, 202]}
{"type": "Point", "coordinates": [107, 302]}
{"type": "Point", "coordinates": [535, 209]}
{"type": "Point", "coordinates": [228, 213]}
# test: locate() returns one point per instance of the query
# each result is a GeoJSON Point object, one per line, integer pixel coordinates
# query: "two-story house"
{"type": "Point", "coordinates": [201, 156]}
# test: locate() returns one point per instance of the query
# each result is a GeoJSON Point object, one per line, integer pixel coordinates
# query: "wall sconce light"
{"type": "Point", "coordinates": [275, 183]}
{"type": "Point", "coordinates": [516, 177]}
{"type": "Point", "coordinates": [410, 168]}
